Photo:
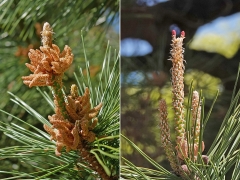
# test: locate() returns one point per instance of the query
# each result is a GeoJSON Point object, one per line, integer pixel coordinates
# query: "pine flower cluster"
{"type": "Point", "coordinates": [72, 133]}
{"type": "Point", "coordinates": [183, 144]}
{"type": "Point", "coordinates": [48, 61]}
{"type": "Point", "coordinates": [74, 120]}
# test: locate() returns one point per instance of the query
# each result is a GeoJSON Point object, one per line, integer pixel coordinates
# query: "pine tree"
{"type": "Point", "coordinates": [186, 159]}
{"type": "Point", "coordinates": [26, 149]}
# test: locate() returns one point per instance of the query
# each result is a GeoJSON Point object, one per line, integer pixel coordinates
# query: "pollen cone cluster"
{"type": "Point", "coordinates": [77, 131]}
{"type": "Point", "coordinates": [79, 110]}
{"type": "Point", "coordinates": [48, 61]}
{"type": "Point", "coordinates": [71, 127]}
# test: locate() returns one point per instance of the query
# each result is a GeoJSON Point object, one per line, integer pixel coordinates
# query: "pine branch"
{"type": "Point", "coordinates": [100, 156]}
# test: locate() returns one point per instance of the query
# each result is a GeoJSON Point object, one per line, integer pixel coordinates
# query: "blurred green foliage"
{"type": "Point", "coordinates": [226, 45]}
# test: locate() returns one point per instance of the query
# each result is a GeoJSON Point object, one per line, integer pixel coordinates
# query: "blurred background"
{"type": "Point", "coordinates": [20, 26]}
{"type": "Point", "coordinates": [212, 57]}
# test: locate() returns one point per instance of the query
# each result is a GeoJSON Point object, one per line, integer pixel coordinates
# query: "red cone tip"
{"type": "Point", "coordinates": [183, 34]}
{"type": "Point", "coordinates": [173, 32]}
